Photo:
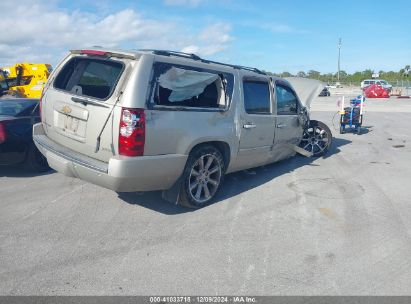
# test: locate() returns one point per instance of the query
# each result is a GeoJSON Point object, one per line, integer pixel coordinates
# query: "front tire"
{"type": "Point", "coordinates": [317, 138]}
{"type": "Point", "coordinates": [202, 176]}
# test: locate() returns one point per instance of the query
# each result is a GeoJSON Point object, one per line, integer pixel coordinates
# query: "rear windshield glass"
{"type": "Point", "coordinates": [89, 77]}
{"type": "Point", "coordinates": [17, 107]}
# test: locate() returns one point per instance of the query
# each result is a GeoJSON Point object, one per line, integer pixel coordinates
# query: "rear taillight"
{"type": "Point", "coordinates": [3, 133]}
{"type": "Point", "coordinates": [132, 133]}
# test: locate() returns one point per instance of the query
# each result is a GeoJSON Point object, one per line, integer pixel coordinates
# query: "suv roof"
{"type": "Point", "coordinates": [197, 58]}
{"type": "Point", "coordinates": [137, 53]}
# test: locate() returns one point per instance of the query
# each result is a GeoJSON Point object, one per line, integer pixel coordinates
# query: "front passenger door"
{"type": "Point", "coordinates": [288, 129]}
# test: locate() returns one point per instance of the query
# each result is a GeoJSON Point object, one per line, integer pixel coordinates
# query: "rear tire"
{"type": "Point", "coordinates": [35, 160]}
{"type": "Point", "coordinates": [317, 138]}
{"type": "Point", "coordinates": [202, 177]}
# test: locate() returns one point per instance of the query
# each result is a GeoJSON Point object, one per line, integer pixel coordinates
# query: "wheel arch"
{"type": "Point", "coordinates": [221, 146]}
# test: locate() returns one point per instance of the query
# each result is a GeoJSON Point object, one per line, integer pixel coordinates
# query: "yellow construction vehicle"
{"type": "Point", "coordinates": [26, 79]}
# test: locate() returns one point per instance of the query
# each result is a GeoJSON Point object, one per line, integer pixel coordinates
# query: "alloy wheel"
{"type": "Point", "coordinates": [205, 177]}
{"type": "Point", "coordinates": [315, 140]}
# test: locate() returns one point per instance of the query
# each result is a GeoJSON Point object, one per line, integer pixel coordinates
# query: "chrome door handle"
{"type": "Point", "coordinates": [280, 126]}
{"type": "Point", "coordinates": [249, 126]}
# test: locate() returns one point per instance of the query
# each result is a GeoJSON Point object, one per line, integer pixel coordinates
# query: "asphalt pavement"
{"type": "Point", "coordinates": [336, 225]}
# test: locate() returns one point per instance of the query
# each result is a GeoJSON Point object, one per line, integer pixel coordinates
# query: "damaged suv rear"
{"type": "Point", "coordinates": [159, 120]}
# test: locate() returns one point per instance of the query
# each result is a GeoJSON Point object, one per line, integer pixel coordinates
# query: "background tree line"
{"type": "Point", "coordinates": [345, 77]}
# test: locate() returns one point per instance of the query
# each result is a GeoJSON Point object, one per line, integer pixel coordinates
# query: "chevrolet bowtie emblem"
{"type": "Point", "coordinates": [66, 110]}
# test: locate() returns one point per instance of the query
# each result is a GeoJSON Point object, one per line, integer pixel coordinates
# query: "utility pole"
{"type": "Point", "coordinates": [339, 53]}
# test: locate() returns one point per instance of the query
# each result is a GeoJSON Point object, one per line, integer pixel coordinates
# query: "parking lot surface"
{"type": "Point", "coordinates": [338, 225]}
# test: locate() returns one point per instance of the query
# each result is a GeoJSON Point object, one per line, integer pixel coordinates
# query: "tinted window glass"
{"type": "Point", "coordinates": [3, 82]}
{"type": "Point", "coordinates": [36, 110]}
{"type": "Point", "coordinates": [17, 107]}
{"type": "Point", "coordinates": [287, 102]}
{"type": "Point", "coordinates": [256, 97]}
{"type": "Point", "coordinates": [89, 77]}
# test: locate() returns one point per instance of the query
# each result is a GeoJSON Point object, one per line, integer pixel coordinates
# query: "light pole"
{"type": "Point", "coordinates": [339, 53]}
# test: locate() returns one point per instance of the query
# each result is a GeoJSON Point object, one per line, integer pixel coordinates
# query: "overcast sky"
{"type": "Point", "coordinates": [271, 35]}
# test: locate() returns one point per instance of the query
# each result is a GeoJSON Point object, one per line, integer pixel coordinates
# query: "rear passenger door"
{"type": "Point", "coordinates": [288, 129]}
{"type": "Point", "coordinates": [256, 122]}
{"type": "Point", "coordinates": [188, 104]}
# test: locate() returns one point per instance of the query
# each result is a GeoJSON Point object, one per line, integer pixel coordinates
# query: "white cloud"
{"type": "Point", "coordinates": [194, 49]}
{"type": "Point", "coordinates": [46, 32]}
{"type": "Point", "coordinates": [192, 3]}
{"type": "Point", "coordinates": [211, 40]}
{"type": "Point", "coordinates": [216, 33]}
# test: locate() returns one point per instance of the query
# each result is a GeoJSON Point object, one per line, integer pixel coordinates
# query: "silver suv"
{"type": "Point", "coordinates": [161, 120]}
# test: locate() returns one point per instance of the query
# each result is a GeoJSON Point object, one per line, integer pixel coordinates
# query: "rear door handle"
{"type": "Point", "coordinates": [249, 126]}
{"type": "Point", "coordinates": [280, 126]}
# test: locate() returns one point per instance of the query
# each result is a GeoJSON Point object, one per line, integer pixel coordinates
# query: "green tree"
{"type": "Point", "coordinates": [313, 74]}
{"type": "Point", "coordinates": [357, 77]}
{"type": "Point", "coordinates": [301, 74]}
{"type": "Point", "coordinates": [286, 74]}
{"type": "Point", "coordinates": [354, 78]}
{"type": "Point", "coordinates": [367, 74]}
{"type": "Point", "coordinates": [407, 70]}
{"type": "Point", "coordinates": [343, 75]}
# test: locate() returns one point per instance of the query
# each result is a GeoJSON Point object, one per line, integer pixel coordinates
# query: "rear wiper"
{"type": "Point", "coordinates": [98, 139]}
{"type": "Point", "coordinates": [85, 101]}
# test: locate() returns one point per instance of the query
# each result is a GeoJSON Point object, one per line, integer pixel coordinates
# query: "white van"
{"type": "Point", "coordinates": [367, 82]}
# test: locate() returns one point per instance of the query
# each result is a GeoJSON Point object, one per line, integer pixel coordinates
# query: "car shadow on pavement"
{"type": "Point", "coordinates": [234, 184]}
{"type": "Point", "coordinates": [152, 200]}
{"type": "Point", "coordinates": [239, 182]}
{"type": "Point", "coordinates": [21, 170]}
{"type": "Point", "coordinates": [364, 130]}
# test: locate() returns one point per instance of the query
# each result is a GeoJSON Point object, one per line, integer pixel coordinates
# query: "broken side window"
{"type": "Point", "coordinates": [189, 87]}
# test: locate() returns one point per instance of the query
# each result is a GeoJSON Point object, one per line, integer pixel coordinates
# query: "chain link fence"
{"type": "Point", "coordinates": [402, 83]}
{"type": "Point", "coordinates": [399, 87]}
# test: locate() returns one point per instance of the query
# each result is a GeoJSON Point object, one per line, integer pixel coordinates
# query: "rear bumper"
{"type": "Point", "coordinates": [121, 173]}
